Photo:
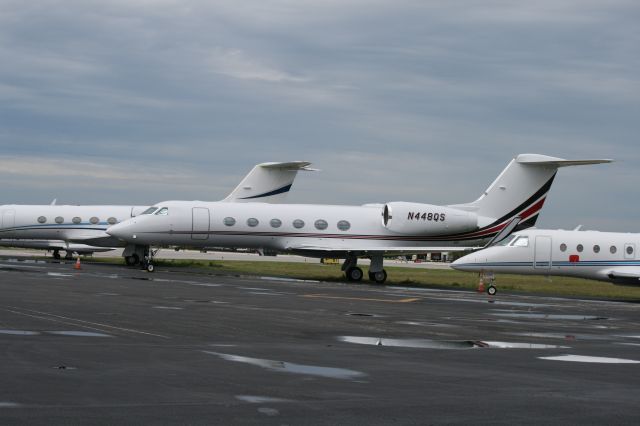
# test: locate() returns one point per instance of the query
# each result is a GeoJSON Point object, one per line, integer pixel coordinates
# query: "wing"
{"type": "Point", "coordinates": [629, 274]}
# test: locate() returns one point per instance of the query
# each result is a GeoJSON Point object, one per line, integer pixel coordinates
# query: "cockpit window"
{"type": "Point", "coordinates": [163, 212]}
{"type": "Point", "coordinates": [522, 241]}
{"type": "Point", "coordinates": [507, 240]}
{"type": "Point", "coordinates": [150, 210]}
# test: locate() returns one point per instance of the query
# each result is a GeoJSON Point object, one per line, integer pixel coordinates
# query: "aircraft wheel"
{"type": "Point", "coordinates": [68, 255]}
{"type": "Point", "coordinates": [132, 260]}
{"type": "Point", "coordinates": [379, 277]}
{"type": "Point", "coordinates": [150, 267]}
{"type": "Point", "coordinates": [492, 290]}
{"type": "Point", "coordinates": [354, 274]}
{"type": "Point", "coordinates": [56, 254]}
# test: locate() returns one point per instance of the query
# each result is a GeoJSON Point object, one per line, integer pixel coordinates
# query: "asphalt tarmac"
{"type": "Point", "coordinates": [112, 345]}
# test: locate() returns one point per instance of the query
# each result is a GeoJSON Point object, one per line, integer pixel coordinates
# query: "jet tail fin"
{"type": "Point", "coordinates": [267, 182]}
{"type": "Point", "coordinates": [520, 190]}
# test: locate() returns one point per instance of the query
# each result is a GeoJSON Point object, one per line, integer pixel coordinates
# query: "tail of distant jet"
{"type": "Point", "coordinates": [267, 182]}
{"type": "Point", "coordinates": [516, 197]}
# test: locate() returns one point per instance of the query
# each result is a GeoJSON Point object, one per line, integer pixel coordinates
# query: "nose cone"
{"type": "Point", "coordinates": [122, 231]}
{"type": "Point", "coordinates": [467, 263]}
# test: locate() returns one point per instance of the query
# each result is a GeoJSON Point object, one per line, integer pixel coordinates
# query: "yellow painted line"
{"type": "Point", "coordinates": [362, 299]}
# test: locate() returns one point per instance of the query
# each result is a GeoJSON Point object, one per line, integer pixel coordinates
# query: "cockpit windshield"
{"type": "Point", "coordinates": [150, 210]}
{"type": "Point", "coordinates": [163, 212]}
{"type": "Point", "coordinates": [521, 241]}
{"type": "Point", "coordinates": [507, 240]}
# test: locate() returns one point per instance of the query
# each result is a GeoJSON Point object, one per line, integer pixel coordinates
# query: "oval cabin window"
{"type": "Point", "coordinates": [276, 223]}
{"type": "Point", "coordinates": [321, 224]}
{"type": "Point", "coordinates": [252, 222]}
{"type": "Point", "coordinates": [229, 221]}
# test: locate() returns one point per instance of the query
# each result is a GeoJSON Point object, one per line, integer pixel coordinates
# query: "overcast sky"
{"type": "Point", "coordinates": [138, 101]}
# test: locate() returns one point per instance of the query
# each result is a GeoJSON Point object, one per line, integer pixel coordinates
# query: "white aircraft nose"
{"type": "Point", "coordinates": [121, 231]}
{"type": "Point", "coordinates": [465, 263]}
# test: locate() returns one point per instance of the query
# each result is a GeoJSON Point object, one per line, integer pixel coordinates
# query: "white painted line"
{"type": "Point", "coordinates": [589, 359]}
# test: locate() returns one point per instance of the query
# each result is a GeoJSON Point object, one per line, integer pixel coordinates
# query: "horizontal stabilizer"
{"type": "Point", "coordinates": [545, 160]}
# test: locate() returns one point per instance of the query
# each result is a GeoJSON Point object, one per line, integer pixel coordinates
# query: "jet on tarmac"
{"type": "Point", "coordinates": [81, 229]}
{"type": "Point", "coordinates": [603, 256]}
{"type": "Point", "coordinates": [513, 201]}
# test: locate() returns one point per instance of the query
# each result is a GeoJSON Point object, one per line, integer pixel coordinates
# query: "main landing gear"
{"type": "Point", "coordinates": [354, 274]}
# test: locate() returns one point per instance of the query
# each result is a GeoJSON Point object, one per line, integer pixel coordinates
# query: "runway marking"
{"type": "Point", "coordinates": [32, 312]}
{"type": "Point", "coordinates": [363, 299]}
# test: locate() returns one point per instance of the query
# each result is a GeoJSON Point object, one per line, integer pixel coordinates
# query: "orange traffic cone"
{"type": "Point", "coordinates": [481, 285]}
{"type": "Point", "coordinates": [77, 264]}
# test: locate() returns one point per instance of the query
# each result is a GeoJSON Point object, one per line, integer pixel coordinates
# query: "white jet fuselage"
{"type": "Point", "coordinates": [81, 224]}
{"type": "Point", "coordinates": [292, 227]}
{"type": "Point", "coordinates": [605, 256]}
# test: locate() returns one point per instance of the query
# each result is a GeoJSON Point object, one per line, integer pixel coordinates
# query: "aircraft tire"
{"type": "Point", "coordinates": [150, 267]}
{"type": "Point", "coordinates": [492, 290]}
{"type": "Point", "coordinates": [354, 274]}
{"type": "Point", "coordinates": [132, 260]}
{"type": "Point", "coordinates": [379, 277]}
{"type": "Point", "coordinates": [56, 254]}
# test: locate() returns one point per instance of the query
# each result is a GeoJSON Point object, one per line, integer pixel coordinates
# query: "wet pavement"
{"type": "Point", "coordinates": [111, 345]}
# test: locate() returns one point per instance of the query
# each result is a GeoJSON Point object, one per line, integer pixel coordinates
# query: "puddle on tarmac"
{"type": "Point", "coordinates": [363, 314]}
{"type": "Point", "coordinates": [20, 332]}
{"type": "Point", "coordinates": [9, 404]}
{"type": "Point", "coordinates": [170, 308]}
{"type": "Point", "coordinates": [107, 294]}
{"type": "Point", "coordinates": [409, 343]}
{"type": "Point", "coordinates": [264, 293]}
{"type": "Point", "coordinates": [442, 344]}
{"type": "Point", "coordinates": [550, 316]}
{"type": "Point", "coordinates": [589, 359]}
{"type": "Point", "coordinates": [79, 333]}
{"type": "Point", "coordinates": [289, 367]}
{"type": "Point", "coordinates": [291, 280]}
{"type": "Point", "coordinates": [58, 274]}
{"type": "Point", "coordinates": [255, 399]}
{"type": "Point", "coordinates": [424, 324]}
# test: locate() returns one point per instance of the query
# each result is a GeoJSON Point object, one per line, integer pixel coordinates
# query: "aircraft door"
{"type": "Point", "coordinates": [201, 220]}
{"type": "Point", "coordinates": [542, 258]}
{"type": "Point", "coordinates": [629, 251]}
{"type": "Point", "coordinates": [8, 219]}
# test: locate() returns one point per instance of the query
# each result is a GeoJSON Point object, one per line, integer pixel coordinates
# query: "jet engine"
{"type": "Point", "coordinates": [427, 219]}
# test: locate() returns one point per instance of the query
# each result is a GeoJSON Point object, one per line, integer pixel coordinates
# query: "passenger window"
{"type": "Point", "coordinates": [563, 247]}
{"type": "Point", "coordinates": [321, 224]}
{"type": "Point", "coordinates": [298, 223]}
{"type": "Point", "coordinates": [276, 223]}
{"type": "Point", "coordinates": [252, 222]}
{"type": "Point", "coordinates": [521, 242]}
{"type": "Point", "coordinates": [42, 219]}
{"type": "Point", "coordinates": [229, 221]}
{"type": "Point", "coordinates": [344, 225]}
{"type": "Point", "coordinates": [596, 249]}
{"type": "Point", "coordinates": [94, 220]}
{"type": "Point", "coordinates": [112, 221]}
{"type": "Point", "coordinates": [629, 250]}
{"type": "Point", "coordinates": [150, 210]}
{"type": "Point", "coordinates": [163, 212]}
{"type": "Point", "coordinates": [613, 249]}
{"type": "Point", "coordinates": [59, 219]}
{"type": "Point", "coordinates": [579, 248]}
{"type": "Point", "coordinates": [76, 220]}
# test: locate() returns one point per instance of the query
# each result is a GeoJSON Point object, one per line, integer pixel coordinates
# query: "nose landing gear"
{"type": "Point", "coordinates": [147, 262]}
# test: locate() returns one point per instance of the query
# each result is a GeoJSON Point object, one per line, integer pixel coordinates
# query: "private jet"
{"type": "Point", "coordinates": [81, 229]}
{"type": "Point", "coordinates": [603, 256]}
{"type": "Point", "coordinates": [512, 202]}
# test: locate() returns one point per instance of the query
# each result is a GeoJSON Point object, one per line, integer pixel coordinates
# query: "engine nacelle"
{"type": "Point", "coordinates": [427, 219]}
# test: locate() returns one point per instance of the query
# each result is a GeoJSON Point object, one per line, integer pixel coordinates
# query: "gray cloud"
{"type": "Point", "coordinates": [416, 100]}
